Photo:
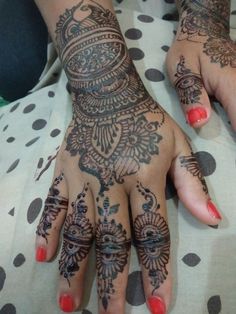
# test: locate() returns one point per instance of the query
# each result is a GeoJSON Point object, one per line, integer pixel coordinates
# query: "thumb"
{"type": "Point", "coordinates": [191, 91]}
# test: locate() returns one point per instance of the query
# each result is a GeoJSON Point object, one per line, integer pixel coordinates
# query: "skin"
{"type": "Point", "coordinates": [117, 139]}
{"type": "Point", "coordinates": [204, 42]}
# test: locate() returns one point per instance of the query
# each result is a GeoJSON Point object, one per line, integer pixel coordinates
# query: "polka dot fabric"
{"type": "Point", "coordinates": [31, 131]}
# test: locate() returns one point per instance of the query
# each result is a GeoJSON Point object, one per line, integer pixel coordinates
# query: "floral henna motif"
{"type": "Point", "coordinates": [222, 51]}
{"type": "Point", "coordinates": [54, 204]}
{"type": "Point", "coordinates": [191, 164]}
{"type": "Point", "coordinates": [188, 84]}
{"type": "Point", "coordinates": [152, 238]}
{"type": "Point", "coordinates": [77, 238]}
{"type": "Point", "coordinates": [110, 132]}
{"type": "Point", "coordinates": [112, 250]}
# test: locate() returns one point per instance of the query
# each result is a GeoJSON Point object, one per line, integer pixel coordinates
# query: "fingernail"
{"type": "Point", "coordinates": [196, 115]}
{"type": "Point", "coordinates": [156, 305]}
{"type": "Point", "coordinates": [66, 303]}
{"type": "Point", "coordinates": [41, 254]}
{"type": "Point", "coordinates": [213, 210]}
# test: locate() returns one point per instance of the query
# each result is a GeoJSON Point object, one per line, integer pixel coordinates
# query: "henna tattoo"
{"type": "Point", "coordinates": [222, 51]}
{"type": "Point", "coordinates": [191, 164]}
{"type": "Point", "coordinates": [110, 132]}
{"type": "Point", "coordinates": [112, 250]}
{"type": "Point", "coordinates": [54, 204]}
{"type": "Point", "coordinates": [204, 18]}
{"type": "Point", "coordinates": [188, 84]}
{"type": "Point", "coordinates": [77, 238]}
{"type": "Point", "coordinates": [152, 238]}
{"type": "Point", "coordinates": [207, 21]}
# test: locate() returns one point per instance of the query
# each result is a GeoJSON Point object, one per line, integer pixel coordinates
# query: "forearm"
{"type": "Point", "coordinates": [204, 17]}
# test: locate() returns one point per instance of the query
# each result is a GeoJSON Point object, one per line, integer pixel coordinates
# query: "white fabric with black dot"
{"type": "Point", "coordinates": [31, 130]}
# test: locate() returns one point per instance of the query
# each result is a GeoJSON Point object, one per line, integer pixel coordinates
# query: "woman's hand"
{"type": "Point", "coordinates": [117, 152]}
{"type": "Point", "coordinates": [202, 60]}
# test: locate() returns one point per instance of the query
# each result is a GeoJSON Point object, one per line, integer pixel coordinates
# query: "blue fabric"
{"type": "Point", "coordinates": [23, 47]}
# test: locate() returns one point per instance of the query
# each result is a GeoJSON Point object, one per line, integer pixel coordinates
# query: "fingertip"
{"type": "Point", "coordinates": [40, 254]}
{"type": "Point", "coordinates": [197, 116]}
{"type": "Point", "coordinates": [156, 305]}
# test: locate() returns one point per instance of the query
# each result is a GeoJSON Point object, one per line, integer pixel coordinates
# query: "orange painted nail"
{"type": "Point", "coordinates": [66, 303]}
{"type": "Point", "coordinates": [213, 210]}
{"type": "Point", "coordinates": [41, 254]}
{"type": "Point", "coordinates": [156, 305]}
{"type": "Point", "coordinates": [196, 115]}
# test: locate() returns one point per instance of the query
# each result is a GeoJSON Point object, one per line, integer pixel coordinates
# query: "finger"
{"type": "Point", "coordinates": [52, 219]}
{"type": "Point", "coordinates": [112, 250]}
{"type": "Point", "coordinates": [190, 183]}
{"type": "Point", "coordinates": [77, 240]}
{"type": "Point", "coordinates": [152, 239]}
{"type": "Point", "coordinates": [191, 91]}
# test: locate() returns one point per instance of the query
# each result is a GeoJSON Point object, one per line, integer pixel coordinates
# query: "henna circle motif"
{"type": "Point", "coordinates": [77, 238]}
{"type": "Point", "coordinates": [152, 239]}
{"type": "Point", "coordinates": [54, 204]}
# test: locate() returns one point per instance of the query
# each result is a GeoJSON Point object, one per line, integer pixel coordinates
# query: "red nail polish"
{"type": "Point", "coordinates": [213, 210]}
{"type": "Point", "coordinates": [156, 305]}
{"type": "Point", "coordinates": [196, 115]}
{"type": "Point", "coordinates": [66, 303]}
{"type": "Point", "coordinates": [41, 254]}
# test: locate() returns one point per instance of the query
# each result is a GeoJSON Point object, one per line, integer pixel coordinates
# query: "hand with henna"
{"type": "Point", "coordinates": [117, 151]}
{"type": "Point", "coordinates": [202, 59]}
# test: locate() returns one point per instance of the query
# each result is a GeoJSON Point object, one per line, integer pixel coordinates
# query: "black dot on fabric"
{"type": "Point", "coordinates": [136, 54]}
{"type": "Point", "coordinates": [55, 132]}
{"type": "Point", "coordinates": [86, 312]}
{"type": "Point", "coordinates": [34, 210]}
{"type": "Point", "coordinates": [170, 190]}
{"type": "Point", "coordinates": [169, 1]}
{"type": "Point", "coordinates": [154, 75]}
{"type": "Point", "coordinates": [174, 32]}
{"type": "Point", "coordinates": [31, 142]}
{"type": "Point", "coordinates": [133, 33]}
{"type": "Point", "coordinates": [5, 127]}
{"type": "Point", "coordinates": [8, 309]}
{"type": "Point", "coordinates": [214, 227]}
{"type": "Point", "coordinates": [19, 260]}
{"type": "Point", "coordinates": [51, 94]}
{"type": "Point", "coordinates": [118, 11]}
{"type": "Point", "coordinates": [13, 165]}
{"type": "Point", "coordinates": [233, 12]}
{"type": "Point", "coordinates": [214, 305]}
{"type": "Point", "coordinates": [206, 162]}
{"type": "Point", "coordinates": [165, 48]}
{"type": "Point", "coordinates": [2, 277]}
{"type": "Point", "coordinates": [191, 259]}
{"type": "Point", "coordinates": [29, 108]}
{"type": "Point", "coordinates": [10, 139]}
{"type": "Point", "coordinates": [170, 17]}
{"type": "Point", "coordinates": [12, 212]}
{"type": "Point", "coordinates": [1, 116]}
{"type": "Point", "coordinates": [145, 18]}
{"type": "Point", "coordinates": [40, 163]}
{"type": "Point", "coordinates": [39, 124]}
{"type": "Point", "coordinates": [14, 107]}
{"type": "Point", "coordinates": [135, 293]}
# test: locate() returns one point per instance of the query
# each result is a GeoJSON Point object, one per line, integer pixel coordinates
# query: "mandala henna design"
{"type": "Point", "coordinates": [152, 238]}
{"type": "Point", "coordinates": [191, 164]}
{"type": "Point", "coordinates": [222, 51]}
{"type": "Point", "coordinates": [77, 238]}
{"type": "Point", "coordinates": [54, 204]}
{"type": "Point", "coordinates": [110, 132]}
{"type": "Point", "coordinates": [188, 84]}
{"type": "Point", "coordinates": [112, 250]}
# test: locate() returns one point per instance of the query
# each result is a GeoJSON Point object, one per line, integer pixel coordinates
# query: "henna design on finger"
{"type": "Point", "coordinates": [188, 84]}
{"type": "Point", "coordinates": [112, 251]}
{"type": "Point", "coordinates": [191, 164]}
{"type": "Point", "coordinates": [77, 238]}
{"type": "Point", "coordinates": [152, 238]}
{"type": "Point", "coordinates": [110, 132]}
{"type": "Point", "coordinates": [54, 204]}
